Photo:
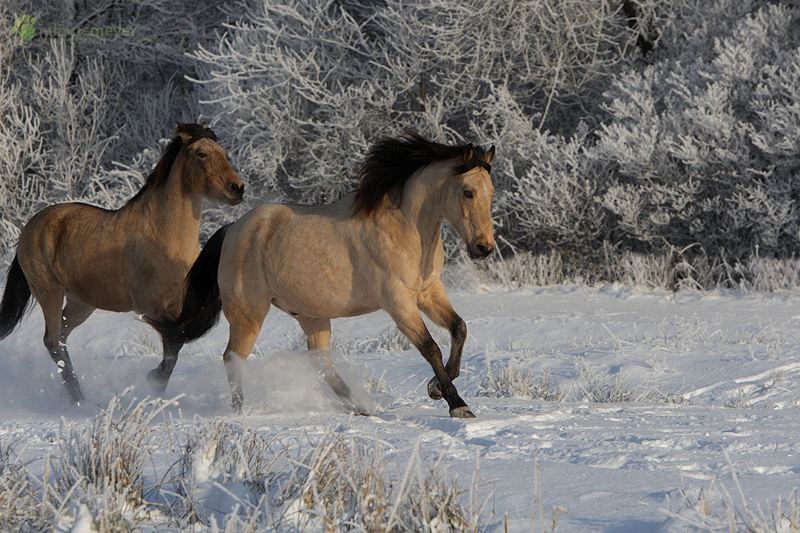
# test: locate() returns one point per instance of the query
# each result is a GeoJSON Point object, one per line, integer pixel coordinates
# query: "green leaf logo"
{"type": "Point", "coordinates": [24, 27]}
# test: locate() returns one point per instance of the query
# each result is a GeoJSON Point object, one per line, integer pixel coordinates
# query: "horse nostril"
{"type": "Point", "coordinates": [238, 189]}
{"type": "Point", "coordinates": [483, 250]}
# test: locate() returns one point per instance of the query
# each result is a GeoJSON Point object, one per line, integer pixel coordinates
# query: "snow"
{"type": "Point", "coordinates": [726, 362]}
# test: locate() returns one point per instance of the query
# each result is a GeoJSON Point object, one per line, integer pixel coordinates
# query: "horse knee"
{"type": "Point", "coordinates": [430, 351]}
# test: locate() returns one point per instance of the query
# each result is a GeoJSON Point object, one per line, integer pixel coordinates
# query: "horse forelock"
{"type": "Point", "coordinates": [195, 132]}
{"type": "Point", "coordinates": [390, 162]}
{"type": "Point", "coordinates": [477, 159]}
{"type": "Point", "coordinates": [158, 176]}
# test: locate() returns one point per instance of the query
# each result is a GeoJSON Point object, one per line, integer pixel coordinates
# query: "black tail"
{"type": "Point", "coordinates": [15, 299]}
{"type": "Point", "coordinates": [203, 303]}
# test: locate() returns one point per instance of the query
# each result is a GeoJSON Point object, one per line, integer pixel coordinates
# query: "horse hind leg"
{"type": "Point", "coordinates": [58, 325]}
{"type": "Point", "coordinates": [318, 335]}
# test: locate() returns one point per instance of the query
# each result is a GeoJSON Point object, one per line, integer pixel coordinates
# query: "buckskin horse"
{"type": "Point", "coordinates": [377, 248]}
{"type": "Point", "coordinates": [131, 259]}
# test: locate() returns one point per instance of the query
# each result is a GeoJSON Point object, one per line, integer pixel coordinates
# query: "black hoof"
{"type": "Point", "coordinates": [434, 391]}
{"type": "Point", "coordinates": [360, 411]}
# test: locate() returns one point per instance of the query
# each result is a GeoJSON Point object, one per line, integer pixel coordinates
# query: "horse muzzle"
{"type": "Point", "coordinates": [481, 250]}
{"type": "Point", "coordinates": [234, 193]}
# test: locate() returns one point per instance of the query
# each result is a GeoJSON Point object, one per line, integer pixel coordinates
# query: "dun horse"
{"type": "Point", "coordinates": [379, 248]}
{"type": "Point", "coordinates": [131, 259]}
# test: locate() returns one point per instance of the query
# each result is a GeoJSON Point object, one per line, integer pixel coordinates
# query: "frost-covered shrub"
{"type": "Point", "coordinates": [699, 143]}
{"type": "Point", "coordinates": [694, 162]}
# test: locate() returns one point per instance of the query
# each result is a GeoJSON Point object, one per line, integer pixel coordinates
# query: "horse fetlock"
{"type": "Point", "coordinates": [158, 381]}
{"type": "Point", "coordinates": [434, 390]}
{"type": "Point", "coordinates": [237, 401]}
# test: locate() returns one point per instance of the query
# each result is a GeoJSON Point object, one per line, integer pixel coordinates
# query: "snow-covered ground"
{"type": "Point", "coordinates": [710, 379]}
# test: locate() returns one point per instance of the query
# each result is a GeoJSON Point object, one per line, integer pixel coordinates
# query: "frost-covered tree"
{"type": "Point", "coordinates": [696, 152]}
{"type": "Point", "coordinates": [653, 141]}
{"type": "Point", "coordinates": [306, 85]}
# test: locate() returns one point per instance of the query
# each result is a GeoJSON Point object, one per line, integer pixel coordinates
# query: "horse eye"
{"type": "Point", "coordinates": [468, 194]}
{"type": "Point", "coordinates": [202, 155]}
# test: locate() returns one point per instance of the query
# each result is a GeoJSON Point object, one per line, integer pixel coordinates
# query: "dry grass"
{"type": "Point", "coordinates": [338, 482]}
{"type": "Point", "coordinates": [514, 381]}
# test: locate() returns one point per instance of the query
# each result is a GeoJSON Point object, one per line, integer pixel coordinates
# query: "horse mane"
{"type": "Point", "coordinates": [390, 162]}
{"type": "Point", "coordinates": [158, 176]}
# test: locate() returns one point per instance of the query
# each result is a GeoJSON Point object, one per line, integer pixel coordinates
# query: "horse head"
{"type": "Point", "coordinates": [207, 170]}
{"type": "Point", "coordinates": [468, 200]}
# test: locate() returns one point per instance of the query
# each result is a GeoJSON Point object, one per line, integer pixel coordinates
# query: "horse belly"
{"type": "Point", "coordinates": [320, 295]}
{"type": "Point", "coordinates": [322, 285]}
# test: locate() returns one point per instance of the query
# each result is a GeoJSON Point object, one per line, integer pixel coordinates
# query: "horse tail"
{"type": "Point", "coordinates": [15, 299]}
{"type": "Point", "coordinates": [202, 303]}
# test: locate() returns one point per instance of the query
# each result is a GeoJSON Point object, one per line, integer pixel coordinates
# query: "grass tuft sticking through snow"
{"type": "Point", "coordinates": [716, 509]}
{"type": "Point", "coordinates": [513, 381]}
{"type": "Point", "coordinates": [19, 509]}
{"type": "Point", "coordinates": [100, 468]}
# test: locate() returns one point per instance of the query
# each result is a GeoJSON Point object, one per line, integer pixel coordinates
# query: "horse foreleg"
{"type": "Point", "coordinates": [318, 339]}
{"type": "Point", "coordinates": [408, 319]}
{"type": "Point", "coordinates": [158, 378]}
{"type": "Point", "coordinates": [436, 305]}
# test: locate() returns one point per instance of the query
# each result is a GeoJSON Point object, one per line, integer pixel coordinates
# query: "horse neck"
{"type": "Point", "coordinates": [422, 203]}
{"type": "Point", "coordinates": [172, 210]}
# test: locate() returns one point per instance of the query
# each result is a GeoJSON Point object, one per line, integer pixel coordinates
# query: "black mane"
{"type": "Point", "coordinates": [390, 162]}
{"type": "Point", "coordinates": [160, 172]}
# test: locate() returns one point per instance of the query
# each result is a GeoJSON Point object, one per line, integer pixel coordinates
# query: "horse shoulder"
{"type": "Point", "coordinates": [248, 239]}
{"type": "Point", "coordinates": [385, 256]}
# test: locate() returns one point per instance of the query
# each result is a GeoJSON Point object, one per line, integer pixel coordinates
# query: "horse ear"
{"type": "Point", "coordinates": [489, 155]}
{"type": "Point", "coordinates": [181, 129]}
{"type": "Point", "coordinates": [204, 126]}
{"type": "Point", "coordinates": [466, 155]}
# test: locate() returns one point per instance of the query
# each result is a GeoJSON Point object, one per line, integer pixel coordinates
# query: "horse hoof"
{"type": "Point", "coordinates": [434, 391]}
{"type": "Point", "coordinates": [461, 412]}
